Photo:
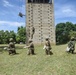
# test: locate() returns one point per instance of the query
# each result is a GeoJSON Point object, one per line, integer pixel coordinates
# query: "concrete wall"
{"type": "Point", "coordinates": [41, 17]}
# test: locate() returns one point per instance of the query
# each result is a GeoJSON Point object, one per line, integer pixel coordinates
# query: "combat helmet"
{"type": "Point", "coordinates": [11, 39]}
{"type": "Point", "coordinates": [46, 38]}
{"type": "Point", "coordinates": [72, 38]}
{"type": "Point", "coordinates": [30, 40]}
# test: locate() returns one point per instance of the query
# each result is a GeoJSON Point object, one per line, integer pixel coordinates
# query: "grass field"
{"type": "Point", "coordinates": [60, 63]}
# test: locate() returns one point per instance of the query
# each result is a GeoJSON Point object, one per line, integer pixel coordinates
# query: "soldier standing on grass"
{"type": "Point", "coordinates": [47, 47]}
{"type": "Point", "coordinates": [11, 47]}
{"type": "Point", "coordinates": [71, 45]}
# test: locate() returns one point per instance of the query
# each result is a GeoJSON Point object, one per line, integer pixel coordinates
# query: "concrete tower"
{"type": "Point", "coordinates": [40, 21]}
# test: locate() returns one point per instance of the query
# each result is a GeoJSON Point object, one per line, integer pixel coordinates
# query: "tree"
{"type": "Point", "coordinates": [63, 32]}
{"type": "Point", "coordinates": [74, 27]}
{"type": "Point", "coordinates": [72, 34]}
{"type": "Point", "coordinates": [60, 32]}
{"type": "Point", "coordinates": [21, 34]}
{"type": "Point", "coordinates": [6, 37]}
{"type": "Point", "coordinates": [1, 36]}
{"type": "Point", "coordinates": [13, 35]}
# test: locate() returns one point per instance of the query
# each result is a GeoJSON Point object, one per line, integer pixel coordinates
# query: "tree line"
{"type": "Point", "coordinates": [18, 37]}
{"type": "Point", "coordinates": [64, 31]}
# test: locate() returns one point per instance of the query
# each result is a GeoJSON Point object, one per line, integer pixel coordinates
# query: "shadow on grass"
{"type": "Point", "coordinates": [14, 54]}
{"type": "Point", "coordinates": [70, 52]}
{"type": "Point", "coordinates": [74, 53]}
{"type": "Point", "coordinates": [17, 53]}
{"type": "Point", "coordinates": [1, 50]}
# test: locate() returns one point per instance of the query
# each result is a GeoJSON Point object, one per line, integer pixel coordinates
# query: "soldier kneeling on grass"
{"type": "Point", "coordinates": [71, 45]}
{"type": "Point", "coordinates": [31, 48]}
{"type": "Point", "coordinates": [11, 47]}
{"type": "Point", "coordinates": [47, 47]}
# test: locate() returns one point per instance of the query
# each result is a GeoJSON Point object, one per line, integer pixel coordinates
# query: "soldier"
{"type": "Point", "coordinates": [71, 45]}
{"type": "Point", "coordinates": [31, 48]}
{"type": "Point", "coordinates": [47, 47]}
{"type": "Point", "coordinates": [11, 47]}
{"type": "Point", "coordinates": [32, 32]}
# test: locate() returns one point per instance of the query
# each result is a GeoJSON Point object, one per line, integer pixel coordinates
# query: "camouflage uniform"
{"type": "Point", "coordinates": [31, 48]}
{"type": "Point", "coordinates": [48, 47]}
{"type": "Point", "coordinates": [71, 45]}
{"type": "Point", "coordinates": [32, 32]}
{"type": "Point", "coordinates": [11, 47]}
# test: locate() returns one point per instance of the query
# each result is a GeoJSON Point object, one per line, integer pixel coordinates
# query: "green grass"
{"type": "Point", "coordinates": [60, 63]}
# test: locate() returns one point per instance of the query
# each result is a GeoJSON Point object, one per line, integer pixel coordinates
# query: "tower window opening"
{"type": "Point", "coordinates": [40, 1]}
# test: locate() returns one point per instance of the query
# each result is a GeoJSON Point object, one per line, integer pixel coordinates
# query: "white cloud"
{"type": "Point", "coordinates": [16, 24]}
{"type": "Point", "coordinates": [65, 11]}
{"type": "Point", "coordinates": [6, 3]}
{"type": "Point", "coordinates": [69, 10]}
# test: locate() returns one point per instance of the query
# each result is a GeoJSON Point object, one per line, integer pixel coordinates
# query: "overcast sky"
{"type": "Point", "coordinates": [65, 10]}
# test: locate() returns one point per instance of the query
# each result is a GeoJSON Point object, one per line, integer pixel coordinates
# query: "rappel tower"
{"type": "Point", "coordinates": [40, 21]}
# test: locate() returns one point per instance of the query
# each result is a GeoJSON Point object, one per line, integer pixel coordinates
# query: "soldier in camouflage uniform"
{"type": "Point", "coordinates": [11, 47]}
{"type": "Point", "coordinates": [32, 32]}
{"type": "Point", "coordinates": [47, 47]}
{"type": "Point", "coordinates": [31, 48]}
{"type": "Point", "coordinates": [71, 45]}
